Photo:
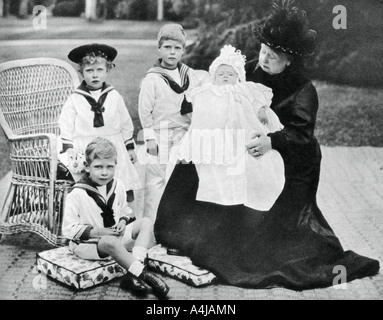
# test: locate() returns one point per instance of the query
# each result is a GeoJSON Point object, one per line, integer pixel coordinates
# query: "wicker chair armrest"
{"type": "Point", "coordinates": [34, 155]}
{"type": "Point", "coordinates": [33, 136]}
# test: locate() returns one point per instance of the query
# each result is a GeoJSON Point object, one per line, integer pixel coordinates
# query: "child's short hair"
{"type": "Point", "coordinates": [171, 31]}
{"type": "Point", "coordinates": [100, 148]}
{"type": "Point", "coordinates": [93, 58]}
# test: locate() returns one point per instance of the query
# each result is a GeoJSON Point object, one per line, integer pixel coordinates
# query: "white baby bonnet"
{"type": "Point", "coordinates": [231, 57]}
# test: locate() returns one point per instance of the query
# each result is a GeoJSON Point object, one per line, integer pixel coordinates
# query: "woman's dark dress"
{"type": "Point", "coordinates": [291, 246]}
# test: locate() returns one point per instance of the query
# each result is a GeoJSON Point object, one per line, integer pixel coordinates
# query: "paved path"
{"type": "Point", "coordinates": [350, 196]}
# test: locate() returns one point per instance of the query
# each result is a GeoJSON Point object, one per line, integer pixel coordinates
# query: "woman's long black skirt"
{"type": "Point", "coordinates": [290, 246]}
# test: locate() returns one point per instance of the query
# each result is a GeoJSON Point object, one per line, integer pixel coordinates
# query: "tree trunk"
{"type": "Point", "coordinates": [91, 10]}
{"type": "Point", "coordinates": [1, 8]}
{"type": "Point", "coordinates": [160, 10]}
{"type": "Point", "coordinates": [23, 9]}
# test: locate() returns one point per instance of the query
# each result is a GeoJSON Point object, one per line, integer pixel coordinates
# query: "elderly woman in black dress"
{"type": "Point", "coordinates": [292, 245]}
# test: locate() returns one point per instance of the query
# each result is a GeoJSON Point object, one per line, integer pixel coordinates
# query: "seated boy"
{"type": "Point", "coordinates": [98, 221]}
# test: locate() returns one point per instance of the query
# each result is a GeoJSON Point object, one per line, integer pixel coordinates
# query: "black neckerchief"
{"type": "Point", "coordinates": [186, 106]}
{"type": "Point", "coordinates": [106, 205]}
{"type": "Point", "coordinates": [183, 70]}
{"type": "Point", "coordinates": [96, 106]}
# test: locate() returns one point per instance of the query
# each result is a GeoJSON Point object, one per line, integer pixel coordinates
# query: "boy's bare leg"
{"type": "Point", "coordinates": [143, 237]}
{"type": "Point", "coordinates": [143, 233]}
{"type": "Point", "coordinates": [112, 246]}
{"type": "Point", "coordinates": [154, 188]}
{"type": "Point", "coordinates": [137, 278]}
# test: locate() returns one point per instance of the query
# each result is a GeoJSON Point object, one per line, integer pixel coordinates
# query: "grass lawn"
{"type": "Point", "coordinates": [347, 116]}
{"type": "Point", "coordinates": [131, 64]}
{"type": "Point", "coordinates": [12, 28]}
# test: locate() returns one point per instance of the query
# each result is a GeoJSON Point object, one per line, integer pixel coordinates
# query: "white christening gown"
{"type": "Point", "coordinates": [224, 119]}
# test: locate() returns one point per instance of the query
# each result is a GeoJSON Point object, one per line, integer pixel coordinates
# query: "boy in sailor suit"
{"type": "Point", "coordinates": [164, 112]}
{"type": "Point", "coordinates": [99, 223]}
{"type": "Point", "coordinates": [96, 109]}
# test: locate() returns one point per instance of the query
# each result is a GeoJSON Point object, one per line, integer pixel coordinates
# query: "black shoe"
{"type": "Point", "coordinates": [132, 283]}
{"type": "Point", "coordinates": [159, 287]}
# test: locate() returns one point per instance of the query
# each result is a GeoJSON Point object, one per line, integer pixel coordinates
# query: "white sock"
{"type": "Point", "coordinates": [139, 253]}
{"type": "Point", "coordinates": [136, 268]}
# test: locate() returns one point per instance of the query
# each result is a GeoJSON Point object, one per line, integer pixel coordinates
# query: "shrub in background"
{"type": "Point", "coordinates": [347, 56]}
{"type": "Point", "coordinates": [179, 10]}
{"type": "Point", "coordinates": [69, 8]}
{"type": "Point", "coordinates": [136, 9]}
{"type": "Point", "coordinates": [121, 10]}
{"type": "Point", "coordinates": [45, 3]}
{"type": "Point", "coordinates": [110, 8]}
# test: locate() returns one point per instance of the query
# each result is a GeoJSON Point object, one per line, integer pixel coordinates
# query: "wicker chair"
{"type": "Point", "coordinates": [32, 93]}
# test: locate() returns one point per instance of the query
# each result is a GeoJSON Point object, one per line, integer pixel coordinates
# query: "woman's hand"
{"type": "Point", "coordinates": [132, 156]}
{"type": "Point", "coordinates": [152, 147]}
{"type": "Point", "coordinates": [262, 116]}
{"type": "Point", "coordinates": [259, 144]}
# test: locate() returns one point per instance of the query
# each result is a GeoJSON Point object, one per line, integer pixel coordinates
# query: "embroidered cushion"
{"type": "Point", "coordinates": [178, 267]}
{"type": "Point", "coordinates": [62, 265]}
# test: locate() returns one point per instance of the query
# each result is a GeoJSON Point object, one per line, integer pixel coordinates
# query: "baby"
{"type": "Point", "coordinates": [226, 113]}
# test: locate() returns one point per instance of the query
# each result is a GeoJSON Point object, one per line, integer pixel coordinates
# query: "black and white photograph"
{"type": "Point", "coordinates": [191, 156]}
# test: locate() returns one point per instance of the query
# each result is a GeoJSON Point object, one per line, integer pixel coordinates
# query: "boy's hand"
{"type": "Point", "coordinates": [262, 116]}
{"type": "Point", "coordinates": [120, 228]}
{"type": "Point", "coordinates": [152, 147]}
{"type": "Point", "coordinates": [100, 232]}
{"type": "Point", "coordinates": [132, 156]}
